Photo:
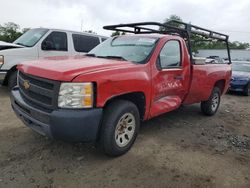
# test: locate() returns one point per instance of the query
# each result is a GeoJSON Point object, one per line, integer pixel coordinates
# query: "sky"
{"type": "Point", "coordinates": [226, 16]}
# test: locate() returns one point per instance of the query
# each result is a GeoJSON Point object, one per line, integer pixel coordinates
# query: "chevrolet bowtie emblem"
{"type": "Point", "coordinates": [26, 84]}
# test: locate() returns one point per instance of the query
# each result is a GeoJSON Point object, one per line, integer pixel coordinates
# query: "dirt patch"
{"type": "Point", "coordinates": [178, 149]}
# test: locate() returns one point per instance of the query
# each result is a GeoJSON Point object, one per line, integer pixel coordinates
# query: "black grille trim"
{"type": "Point", "coordinates": [42, 93]}
{"type": "Point", "coordinates": [45, 83]}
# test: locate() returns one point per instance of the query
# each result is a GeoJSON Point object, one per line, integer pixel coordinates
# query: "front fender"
{"type": "Point", "coordinates": [111, 83]}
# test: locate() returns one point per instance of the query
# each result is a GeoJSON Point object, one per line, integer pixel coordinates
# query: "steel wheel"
{"type": "Point", "coordinates": [215, 101]}
{"type": "Point", "coordinates": [125, 129]}
{"type": "Point", "coordinates": [211, 106]}
{"type": "Point", "coordinates": [120, 126]}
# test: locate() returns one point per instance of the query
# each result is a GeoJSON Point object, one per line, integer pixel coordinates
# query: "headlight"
{"type": "Point", "coordinates": [76, 95]}
{"type": "Point", "coordinates": [1, 60]}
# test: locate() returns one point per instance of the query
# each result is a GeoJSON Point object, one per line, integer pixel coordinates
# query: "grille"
{"type": "Point", "coordinates": [39, 92]}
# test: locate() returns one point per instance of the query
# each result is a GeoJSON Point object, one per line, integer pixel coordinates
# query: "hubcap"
{"type": "Point", "coordinates": [215, 101]}
{"type": "Point", "coordinates": [125, 130]}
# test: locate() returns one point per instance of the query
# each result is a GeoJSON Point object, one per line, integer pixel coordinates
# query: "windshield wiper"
{"type": "Point", "coordinates": [113, 57]}
{"type": "Point", "coordinates": [108, 57]}
{"type": "Point", "coordinates": [91, 55]}
{"type": "Point", "coordinates": [21, 44]}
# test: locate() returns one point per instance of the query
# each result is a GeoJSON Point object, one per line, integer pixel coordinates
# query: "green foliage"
{"type": "Point", "coordinates": [199, 42]}
{"type": "Point", "coordinates": [171, 17]}
{"type": "Point", "coordinates": [239, 45]}
{"type": "Point", "coordinates": [24, 30]}
{"type": "Point", "coordinates": [9, 32]}
{"type": "Point", "coordinates": [117, 33]}
{"type": "Point", "coordinates": [90, 31]}
{"type": "Point", "coordinates": [217, 45]}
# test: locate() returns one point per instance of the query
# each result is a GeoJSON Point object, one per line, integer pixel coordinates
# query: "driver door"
{"type": "Point", "coordinates": [171, 78]}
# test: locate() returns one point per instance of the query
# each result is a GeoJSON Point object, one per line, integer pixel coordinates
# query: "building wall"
{"type": "Point", "coordinates": [235, 54]}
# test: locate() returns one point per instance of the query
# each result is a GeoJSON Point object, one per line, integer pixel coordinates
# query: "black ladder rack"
{"type": "Point", "coordinates": [185, 30]}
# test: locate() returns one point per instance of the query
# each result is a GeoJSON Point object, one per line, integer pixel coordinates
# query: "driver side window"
{"type": "Point", "coordinates": [56, 41]}
{"type": "Point", "coordinates": [170, 56]}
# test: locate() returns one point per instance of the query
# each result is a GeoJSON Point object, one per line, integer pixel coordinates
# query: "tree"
{"type": "Point", "coordinates": [24, 30]}
{"type": "Point", "coordinates": [171, 17]}
{"type": "Point", "coordinates": [117, 33]}
{"type": "Point", "coordinates": [238, 45]}
{"type": "Point", "coordinates": [90, 31]}
{"type": "Point", "coordinates": [9, 32]}
{"type": "Point", "coordinates": [199, 42]}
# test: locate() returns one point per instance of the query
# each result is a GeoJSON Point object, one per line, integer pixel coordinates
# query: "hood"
{"type": "Point", "coordinates": [7, 45]}
{"type": "Point", "coordinates": [240, 74]}
{"type": "Point", "coordinates": [67, 68]}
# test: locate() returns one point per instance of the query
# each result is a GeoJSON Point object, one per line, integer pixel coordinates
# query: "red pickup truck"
{"type": "Point", "coordinates": [104, 95]}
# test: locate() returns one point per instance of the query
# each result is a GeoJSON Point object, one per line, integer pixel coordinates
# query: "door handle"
{"type": "Point", "coordinates": [178, 77]}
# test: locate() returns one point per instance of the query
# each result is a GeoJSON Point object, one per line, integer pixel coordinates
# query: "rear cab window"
{"type": "Point", "coordinates": [84, 43]}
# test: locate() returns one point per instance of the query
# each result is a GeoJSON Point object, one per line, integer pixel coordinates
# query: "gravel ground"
{"type": "Point", "coordinates": [179, 149]}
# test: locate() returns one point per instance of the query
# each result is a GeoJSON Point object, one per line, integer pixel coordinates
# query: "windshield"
{"type": "Point", "coordinates": [130, 48]}
{"type": "Point", "coordinates": [31, 37]}
{"type": "Point", "coordinates": [243, 67]}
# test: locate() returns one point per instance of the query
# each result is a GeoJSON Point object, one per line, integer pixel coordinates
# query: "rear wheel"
{"type": "Point", "coordinates": [211, 106]}
{"type": "Point", "coordinates": [12, 80]}
{"type": "Point", "coordinates": [119, 128]}
{"type": "Point", "coordinates": [247, 90]}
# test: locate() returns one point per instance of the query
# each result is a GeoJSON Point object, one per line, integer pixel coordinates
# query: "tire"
{"type": "Point", "coordinates": [211, 106]}
{"type": "Point", "coordinates": [247, 90]}
{"type": "Point", "coordinates": [115, 139]}
{"type": "Point", "coordinates": [12, 80]}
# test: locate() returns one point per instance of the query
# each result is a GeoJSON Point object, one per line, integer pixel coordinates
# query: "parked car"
{"type": "Point", "coordinates": [240, 77]}
{"type": "Point", "coordinates": [39, 43]}
{"type": "Point", "coordinates": [214, 59]}
{"type": "Point", "coordinates": [103, 96]}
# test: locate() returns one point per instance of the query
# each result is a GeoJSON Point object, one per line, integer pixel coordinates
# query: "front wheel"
{"type": "Point", "coordinates": [211, 106]}
{"type": "Point", "coordinates": [120, 127]}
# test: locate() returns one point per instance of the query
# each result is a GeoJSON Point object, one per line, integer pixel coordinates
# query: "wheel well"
{"type": "Point", "coordinates": [220, 84]}
{"type": "Point", "coordinates": [8, 74]}
{"type": "Point", "coordinates": [138, 98]}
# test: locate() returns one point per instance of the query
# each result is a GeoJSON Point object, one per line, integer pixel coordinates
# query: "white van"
{"type": "Point", "coordinates": [39, 43]}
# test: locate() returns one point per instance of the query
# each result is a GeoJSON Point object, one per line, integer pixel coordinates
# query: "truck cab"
{"type": "Point", "coordinates": [104, 95]}
{"type": "Point", "coordinates": [39, 43]}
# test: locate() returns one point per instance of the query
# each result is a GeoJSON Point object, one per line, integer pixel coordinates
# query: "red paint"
{"type": "Point", "coordinates": [163, 92]}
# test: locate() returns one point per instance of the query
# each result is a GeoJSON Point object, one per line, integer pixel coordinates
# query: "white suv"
{"type": "Point", "coordinates": [39, 43]}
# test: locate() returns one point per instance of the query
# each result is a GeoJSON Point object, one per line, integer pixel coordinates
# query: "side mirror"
{"type": "Point", "coordinates": [47, 45]}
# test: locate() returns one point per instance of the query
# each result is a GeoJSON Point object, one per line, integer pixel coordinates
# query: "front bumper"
{"type": "Point", "coordinates": [61, 124]}
{"type": "Point", "coordinates": [2, 76]}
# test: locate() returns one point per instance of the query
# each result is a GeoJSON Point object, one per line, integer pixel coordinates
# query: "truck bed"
{"type": "Point", "coordinates": [204, 78]}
